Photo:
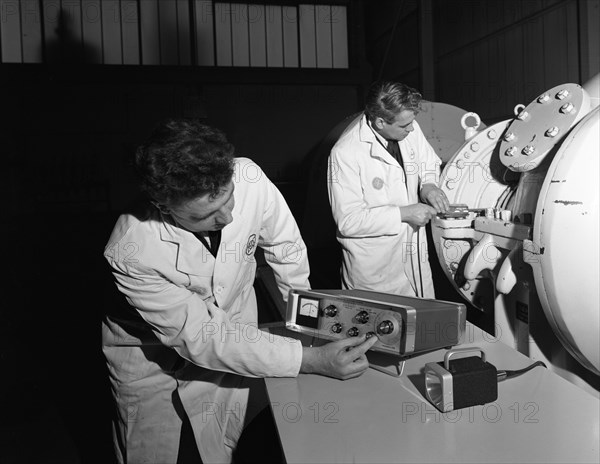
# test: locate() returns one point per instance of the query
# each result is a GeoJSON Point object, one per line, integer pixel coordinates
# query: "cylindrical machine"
{"type": "Point", "coordinates": [444, 126]}
{"type": "Point", "coordinates": [566, 229]}
{"type": "Point", "coordinates": [529, 252]}
{"type": "Point", "coordinates": [473, 176]}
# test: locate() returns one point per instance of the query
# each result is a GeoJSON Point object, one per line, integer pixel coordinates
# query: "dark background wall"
{"type": "Point", "coordinates": [67, 149]}
{"type": "Point", "coordinates": [484, 56]}
{"type": "Point", "coordinates": [68, 131]}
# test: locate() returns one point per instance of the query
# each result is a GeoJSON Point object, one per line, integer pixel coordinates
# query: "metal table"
{"type": "Point", "coordinates": [378, 418]}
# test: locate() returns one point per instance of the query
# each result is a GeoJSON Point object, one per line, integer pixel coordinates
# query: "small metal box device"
{"type": "Point", "coordinates": [404, 325]}
{"type": "Point", "coordinates": [461, 383]}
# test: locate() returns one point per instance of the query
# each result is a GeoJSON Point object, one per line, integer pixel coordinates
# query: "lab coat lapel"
{"type": "Point", "coordinates": [411, 169]}
{"type": "Point", "coordinates": [192, 257]}
{"type": "Point", "coordinates": [377, 150]}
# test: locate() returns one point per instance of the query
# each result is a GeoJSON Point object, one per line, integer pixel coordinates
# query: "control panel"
{"type": "Point", "coordinates": [403, 325]}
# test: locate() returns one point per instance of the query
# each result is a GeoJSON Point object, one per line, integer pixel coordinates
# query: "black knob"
{"type": "Point", "coordinates": [370, 334]}
{"type": "Point", "coordinates": [330, 311]}
{"type": "Point", "coordinates": [362, 317]}
{"type": "Point", "coordinates": [336, 328]}
{"type": "Point", "coordinates": [352, 332]}
{"type": "Point", "coordinates": [385, 328]}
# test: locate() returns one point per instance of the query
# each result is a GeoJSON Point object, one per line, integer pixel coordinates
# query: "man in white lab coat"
{"type": "Point", "coordinates": [382, 182]}
{"type": "Point", "coordinates": [185, 348]}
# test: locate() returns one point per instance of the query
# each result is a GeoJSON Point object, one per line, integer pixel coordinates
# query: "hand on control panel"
{"type": "Point", "coordinates": [342, 359]}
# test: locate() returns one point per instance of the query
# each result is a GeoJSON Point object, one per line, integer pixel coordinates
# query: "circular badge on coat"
{"type": "Point", "coordinates": [377, 183]}
{"type": "Point", "coordinates": [251, 244]}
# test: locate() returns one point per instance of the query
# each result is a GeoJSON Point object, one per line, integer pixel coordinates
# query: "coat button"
{"type": "Point", "coordinates": [218, 290]}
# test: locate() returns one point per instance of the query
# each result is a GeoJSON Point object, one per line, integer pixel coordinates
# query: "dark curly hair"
{"type": "Point", "coordinates": [385, 99]}
{"type": "Point", "coordinates": [184, 159]}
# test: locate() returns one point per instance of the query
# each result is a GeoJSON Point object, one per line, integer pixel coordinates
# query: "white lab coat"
{"type": "Point", "coordinates": [366, 188]}
{"type": "Point", "coordinates": [186, 305]}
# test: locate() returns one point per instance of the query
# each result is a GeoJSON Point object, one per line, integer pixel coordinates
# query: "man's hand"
{"type": "Point", "coordinates": [418, 214]}
{"type": "Point", "coordinates": [342, 359]}
{"type": "Point", "coordinates": [434, 196]}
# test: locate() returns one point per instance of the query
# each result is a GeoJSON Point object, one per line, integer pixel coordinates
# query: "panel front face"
{"type": "Point", "coordinates": [335, 318]}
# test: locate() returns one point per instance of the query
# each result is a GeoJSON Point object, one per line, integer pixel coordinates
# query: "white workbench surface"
{"type": "Point", "coordinates": [377, 418]}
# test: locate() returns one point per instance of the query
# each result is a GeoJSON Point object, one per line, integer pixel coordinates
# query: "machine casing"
{"type": "Point", "coordinates": [530, 264]}
{"type": "Point", "coordinates": [415, 325]}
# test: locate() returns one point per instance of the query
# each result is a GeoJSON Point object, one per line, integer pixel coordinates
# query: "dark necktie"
{"type": "Point", "coordinates": [394, 149]}
{"type": "Point", "coordinates": [215, 239]}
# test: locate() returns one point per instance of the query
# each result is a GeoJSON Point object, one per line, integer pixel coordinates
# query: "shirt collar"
{"type": "Point", "coordinates": [381, 139]}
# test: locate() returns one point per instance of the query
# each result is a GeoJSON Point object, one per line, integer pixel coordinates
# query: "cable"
{"type": "Point", "coordinates": [419, 260]}
{"type": "Point", "coordinates": [503, 375]}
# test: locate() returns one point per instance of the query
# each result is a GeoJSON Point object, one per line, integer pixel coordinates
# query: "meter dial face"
{"type": "Point", "coordinates": [309, 307]}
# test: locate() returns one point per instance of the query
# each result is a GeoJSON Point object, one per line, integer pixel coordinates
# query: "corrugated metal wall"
{"type": "Point", "coordinates": [487, 55]}
{"type": "Point", "coordinates": [174, 32]}
{"type": "Point", "coordinates": [492, 55]}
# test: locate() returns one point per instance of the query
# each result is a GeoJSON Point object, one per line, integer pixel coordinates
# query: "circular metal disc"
{"type": "Point", "coordinates": [474, 176]}
{"type": "Point", "coordinates": [566, 230]}
{"type": "Point", "coordinates": [539, 126]}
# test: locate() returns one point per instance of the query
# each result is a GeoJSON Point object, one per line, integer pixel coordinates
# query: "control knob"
{"type": "Point", "coordinates": [352, 332]}
{"type": "Point", "coordinates": [336, 328]}
{"type": "Point", "coordinates": [385, 328]}
{"type": "Point", "coordinates": [362, 317]}
{"type": "Point", "coordinates": [330, 311]}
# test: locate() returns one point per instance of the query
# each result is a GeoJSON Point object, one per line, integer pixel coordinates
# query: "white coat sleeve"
{"type": "Point", "coordinates": [354, 218]}
{"type": "Point", "coordinates": [280, 239]}
{"type": "Point", "coordinates": [200, 331]}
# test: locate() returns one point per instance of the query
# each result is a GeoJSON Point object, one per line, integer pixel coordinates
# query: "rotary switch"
{"type": "Point", "coordinates": [352, 332]}
{"type": "Point", "coordinates": [330, 311]}
{"type": "Point", "coordinates": [362, 317]}
{"type": "Point", "coordinates": [336, 328]}
{"type": "Point", "coordinates": [385, 327]}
